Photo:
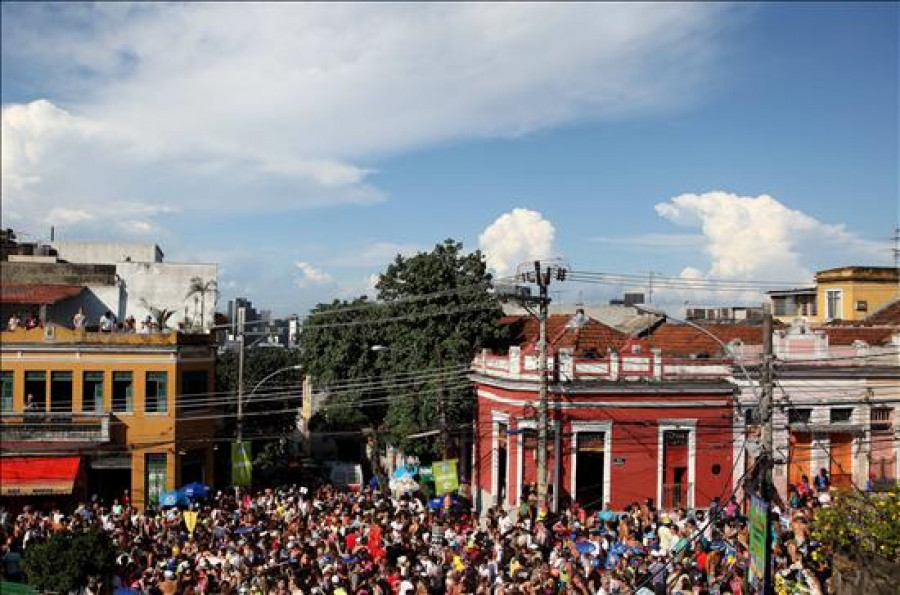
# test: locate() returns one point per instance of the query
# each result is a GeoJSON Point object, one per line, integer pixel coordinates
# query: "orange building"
{"type": "Point", "coordinates": [99, 413]}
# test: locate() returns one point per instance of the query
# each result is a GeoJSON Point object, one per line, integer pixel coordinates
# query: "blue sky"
{"type": "Point", "coordinates": [301, 146]}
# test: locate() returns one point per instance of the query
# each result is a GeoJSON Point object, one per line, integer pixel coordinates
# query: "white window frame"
{"type": "Point", "coordinates": [840, 304]}
{"type": "Point", "coordinates": [521, 425]}
{"type": "Point", "coordinates": [593, 427]}
{"type": "Point", "coordinates": [666, 425]}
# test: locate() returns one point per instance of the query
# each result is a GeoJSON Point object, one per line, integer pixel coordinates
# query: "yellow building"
{"type": "Point", "coordinates": [844, 293]}
{"type": "Point", "coordinates": [108, 409]}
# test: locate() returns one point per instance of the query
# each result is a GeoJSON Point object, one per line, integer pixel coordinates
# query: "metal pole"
{"type": "Point", "coordinates": [240, 387]}
{"type": "Point", "coordinates": [543, 420]}
{"type": "Point", "coordinates": [441, 403]}
{"type": "Point", "coordinates": [767, 486]}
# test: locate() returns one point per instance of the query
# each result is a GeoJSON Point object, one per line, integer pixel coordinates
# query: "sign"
{"type": "Point", "coordinates": [445, 478]}
{"type": "Point", "coordinates": [190, 521]}
{"type": "Point", "coordinates": [619, 461]}
{"type": "Point", "coordinates": [425, 474]}
{"type": "Point", "coordinates": [759, 543]}
{"type": "Point", "coordinates": [241, 464]}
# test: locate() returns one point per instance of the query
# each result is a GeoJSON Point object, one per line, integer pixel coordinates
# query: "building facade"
{"type": "Point", "coordinates": [626, 424]}
{"type": "Point", "coordinates": [113, 410]}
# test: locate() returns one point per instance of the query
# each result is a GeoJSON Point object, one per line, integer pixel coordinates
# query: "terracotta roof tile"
{"type": "Point", "coordinates": [592, 336]}
{"type": "Point", "coordinates": [886, 315]}
{"type": "Point", "coordinates": [37, 295]}
{"type": "Point", "coordinates": [846, 335]}
{"type": "Point", "coordinates": [682, 340]}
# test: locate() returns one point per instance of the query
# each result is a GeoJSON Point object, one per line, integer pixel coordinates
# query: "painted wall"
{"type": "Point", "coordinates": [635, 439]}
{"type": "Point", "coordinates": [165, 285]}
{"type": "Point", "coordinates": [107, 252]}
{"type": "Point", "coordinates": [874, 294]}
{"type": "Point", "coordinates": [136, 433]}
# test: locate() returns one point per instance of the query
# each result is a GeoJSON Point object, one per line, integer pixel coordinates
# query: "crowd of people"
{"type": "Point", "coordinates": [329, 542]}
{"type": "Point", "coordinates": [106, 323]}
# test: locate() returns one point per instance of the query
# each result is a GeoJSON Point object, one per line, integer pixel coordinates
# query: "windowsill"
{"type": "Point", "coordinates": [123, 412]}
{"type": "Point", "coordinates": [156, 413]}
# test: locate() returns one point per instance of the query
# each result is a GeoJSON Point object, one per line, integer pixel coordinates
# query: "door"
{"type": "Point", "coordinates": [841, 462]}
{"type": "Point", "coordinates": [800, 457]}
{"type": "Point", "coordinates": [502, 457]}
{"type": "Point", "coordinates": [590, 469]}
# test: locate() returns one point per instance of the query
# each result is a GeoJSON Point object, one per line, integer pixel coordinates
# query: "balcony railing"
{"type": "Point", "coordinates": [54, 427]}
{"type": "Point", "coordinates": [675, 495]}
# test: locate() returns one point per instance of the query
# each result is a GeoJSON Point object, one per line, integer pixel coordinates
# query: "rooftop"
{"type": "Point", "coordinates": [584, 335]}
{"type": "Point", "coordinates": [58, 335]}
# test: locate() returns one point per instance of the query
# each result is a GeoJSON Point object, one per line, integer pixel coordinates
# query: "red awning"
{"type": "Point", "coordinates": [37, 294]}
{"type": "Point", "coordinates": [36, 476]}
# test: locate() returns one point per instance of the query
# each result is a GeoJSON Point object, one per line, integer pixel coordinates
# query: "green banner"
{"type": "Point", "coordinates": [425, 474]}
{"type": "Point", "coordinates": [446, 480]}
{"type": "Point", "coordinates": [241, 464]}
{"type": "Point", "coordinates": [759, 542]}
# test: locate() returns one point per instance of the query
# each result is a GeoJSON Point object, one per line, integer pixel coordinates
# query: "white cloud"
{"type": "Point", "coordinates": [654, 241]}
{"type": "Point", "coordinates": [518, 236]}
{"type": "Point", "coordinates": [278, 106]}
{"type": "Point", "coordinates": [375, 254]}
{"type": "Point", "coordinates": [758, 238]}
{"type": "Point", "coordinates": [312, 275]}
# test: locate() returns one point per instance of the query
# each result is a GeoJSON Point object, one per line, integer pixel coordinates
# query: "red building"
{"type": "Point", "coordinates": [626, 423]}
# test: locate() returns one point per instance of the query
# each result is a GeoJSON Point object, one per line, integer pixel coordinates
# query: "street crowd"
{"type": "Point", "coordinates": [324, 541]}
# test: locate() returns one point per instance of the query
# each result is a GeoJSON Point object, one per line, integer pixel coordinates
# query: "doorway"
{"type": "Point", "coordinates": [590, 469]}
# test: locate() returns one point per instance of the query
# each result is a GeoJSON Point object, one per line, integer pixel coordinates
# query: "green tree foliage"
{"type": "Point", "coordinates": [421, 336]}
{"type": "Point", "coordinates": [64, 562]}
{"type": "Point", "coordinates": [861, 524]}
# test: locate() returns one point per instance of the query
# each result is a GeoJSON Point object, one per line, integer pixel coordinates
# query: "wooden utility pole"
{"type": "Point", "coordinates": [543, 281]}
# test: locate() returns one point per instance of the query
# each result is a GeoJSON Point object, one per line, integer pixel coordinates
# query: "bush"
{"type": "Point", "coordinates": [861, 524]}
{"type": "Point", "coordinates": [64, 562]}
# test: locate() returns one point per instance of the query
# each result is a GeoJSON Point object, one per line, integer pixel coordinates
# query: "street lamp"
{"type": "Point", "coordinates": [728, 349]}
{"type": "Point", "coordinates": [240, 401]}
{"type": "Point", "coordinates": [275, 373]}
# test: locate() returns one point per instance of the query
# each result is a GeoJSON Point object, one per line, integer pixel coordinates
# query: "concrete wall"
{"type": "Point", "coordinates": [165, 285]}
{"type": "Point", "coordinates": [57, 273]}
{"type": "Point", "coordinates": [107, 252]}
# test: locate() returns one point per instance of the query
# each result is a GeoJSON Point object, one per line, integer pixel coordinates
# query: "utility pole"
{"type": "Point", "coordinates": [240, 387]}
{"type": "Point", "coordinates": [542, 278]}
{"type": "Point", "coordinates": [442, 403]}
{"type": "Point", "coordinates": [767, 451]}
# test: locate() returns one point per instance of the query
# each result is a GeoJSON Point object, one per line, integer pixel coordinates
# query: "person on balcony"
{"type": "Point", "coordinates": [107, 322]}
{"type": "Point", "coordinates": [822, 481]}
{"type": "Point", "coordinates": [14, 322]}
{"type": "Point", "coordinates": [79, 320]}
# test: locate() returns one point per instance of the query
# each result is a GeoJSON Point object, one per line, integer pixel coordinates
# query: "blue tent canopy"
{"type": "Point", "coordinates": [195, 490]}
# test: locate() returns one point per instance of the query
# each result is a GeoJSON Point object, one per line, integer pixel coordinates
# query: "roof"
{"type": "Point", "coordinates": [37, 294]}
{"type": "Point", "coordinates": [847, 335]}
{"type": "Point", "coordinates": [682, 339]}
{"type": "Point", "coordinates": [794, 291]}
{"type": "Point", "coordinates": [591, 336]}
{"type": "Point", "coordinates": [889, 314]}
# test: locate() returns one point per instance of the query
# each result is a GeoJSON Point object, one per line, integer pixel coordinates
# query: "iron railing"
{"type": "Point", "coordinates": [54, 427]}
{"type": "Point", "coordinates": [675, 495]}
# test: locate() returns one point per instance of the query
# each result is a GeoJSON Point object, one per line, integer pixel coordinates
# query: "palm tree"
{"type": "Point", "coordinates": [199, 287]}
{"type": "Point", "coordinates": [160, 315]}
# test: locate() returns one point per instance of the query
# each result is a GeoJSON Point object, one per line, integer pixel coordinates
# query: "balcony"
{"type": "Point", "coordinates": [67, 428]}
{"type": "Point", "coordinates": [675, 495]}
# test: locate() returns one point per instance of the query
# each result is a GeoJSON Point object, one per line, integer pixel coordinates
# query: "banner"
{"type": "Point", "coordinates": [190, 521]}
{"type": "Point", "coordinates": [241, 464]}
{"type": "Point", "coordinates": [446, 480]}
{"type": "Point", "coordinates": [759, 543]}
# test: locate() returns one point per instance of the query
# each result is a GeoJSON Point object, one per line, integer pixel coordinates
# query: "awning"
{"type": "Point", "coordinates": [37, 294]}
{"type": "Point", "coordinates": [38, 476]}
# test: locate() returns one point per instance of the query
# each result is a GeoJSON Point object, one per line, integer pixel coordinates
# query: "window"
{"type": "Point", "coordinates": [862, 306]}
{"type": "Point", "coordinates": [154, 476]}
{"type": "Point", "coordinates": [35, 391]}
{"type": "Point", "coordinates": [841, 414]}
{"type": "Point", "coordinates": [881, 419]}
{"type": "Point", "coordinates": [61, 392]}
{"type": "Point", "coordinates": [6, 391]}
{"type": "Point", "coordinates": [122, 392]}
{"type": "Point", "coordinates": [799, 416]}
{"type": "Point", "coordinates": [155, 400]}
{"type": "Point", "coordinates": [194, 387]}
{"type": "Point", "coordinates": [93, 392]}
{"type": "Point", "coordinates": [834, 304]}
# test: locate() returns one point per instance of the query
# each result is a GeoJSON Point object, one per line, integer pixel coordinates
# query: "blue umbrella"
{"type": "Point", "coordinates": [172, 498]}
{"type": "Point", "coordinates": [584, 547]}
{"type": "Point", "coordinates": [195, 490]}
{"type": "Point", "coordinates": [243, 530]}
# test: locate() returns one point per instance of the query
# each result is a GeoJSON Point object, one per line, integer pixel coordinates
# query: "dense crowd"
{"type": "Point", "coordinates": [324, 541]}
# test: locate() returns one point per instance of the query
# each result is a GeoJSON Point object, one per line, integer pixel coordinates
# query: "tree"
{"type": "Point", "coordinates": [160, 315]}
{"type": "Point", "coordinates": [197, 287]}
{"type": "Point", "coordinates": [430, 340]}
{"type": "Point", "coordinates": [859, 524]}
{"type": "Point", "coordinates": [64, 562]}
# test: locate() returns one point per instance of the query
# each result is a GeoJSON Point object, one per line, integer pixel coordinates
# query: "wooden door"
{"type": "Point", "coordinates": [800, 457]}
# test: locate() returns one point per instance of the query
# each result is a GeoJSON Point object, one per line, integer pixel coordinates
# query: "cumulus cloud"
{"type": "Point", "coordinates": [516, 237]}
{"type": "Point", "coordinates": [312, 275]}
{"type": "Point", "coordinates": [758, 238]}
{"type": "Point", "coordinates": [280, 106]}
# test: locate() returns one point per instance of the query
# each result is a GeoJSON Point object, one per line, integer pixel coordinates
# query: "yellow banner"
{"type": "Point", "coordinates": [190, 519]}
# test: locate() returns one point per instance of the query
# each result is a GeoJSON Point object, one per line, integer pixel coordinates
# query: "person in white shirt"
{"type": "Point", "coordinates": [79, 319]}
{"type": "Point", "coordinates": [107, 322]}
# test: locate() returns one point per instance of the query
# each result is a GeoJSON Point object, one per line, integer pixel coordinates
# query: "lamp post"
{"type": "Point", "coordinates": [764, 399]}
{"type": "Point", "coordinates": [275, 373]}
